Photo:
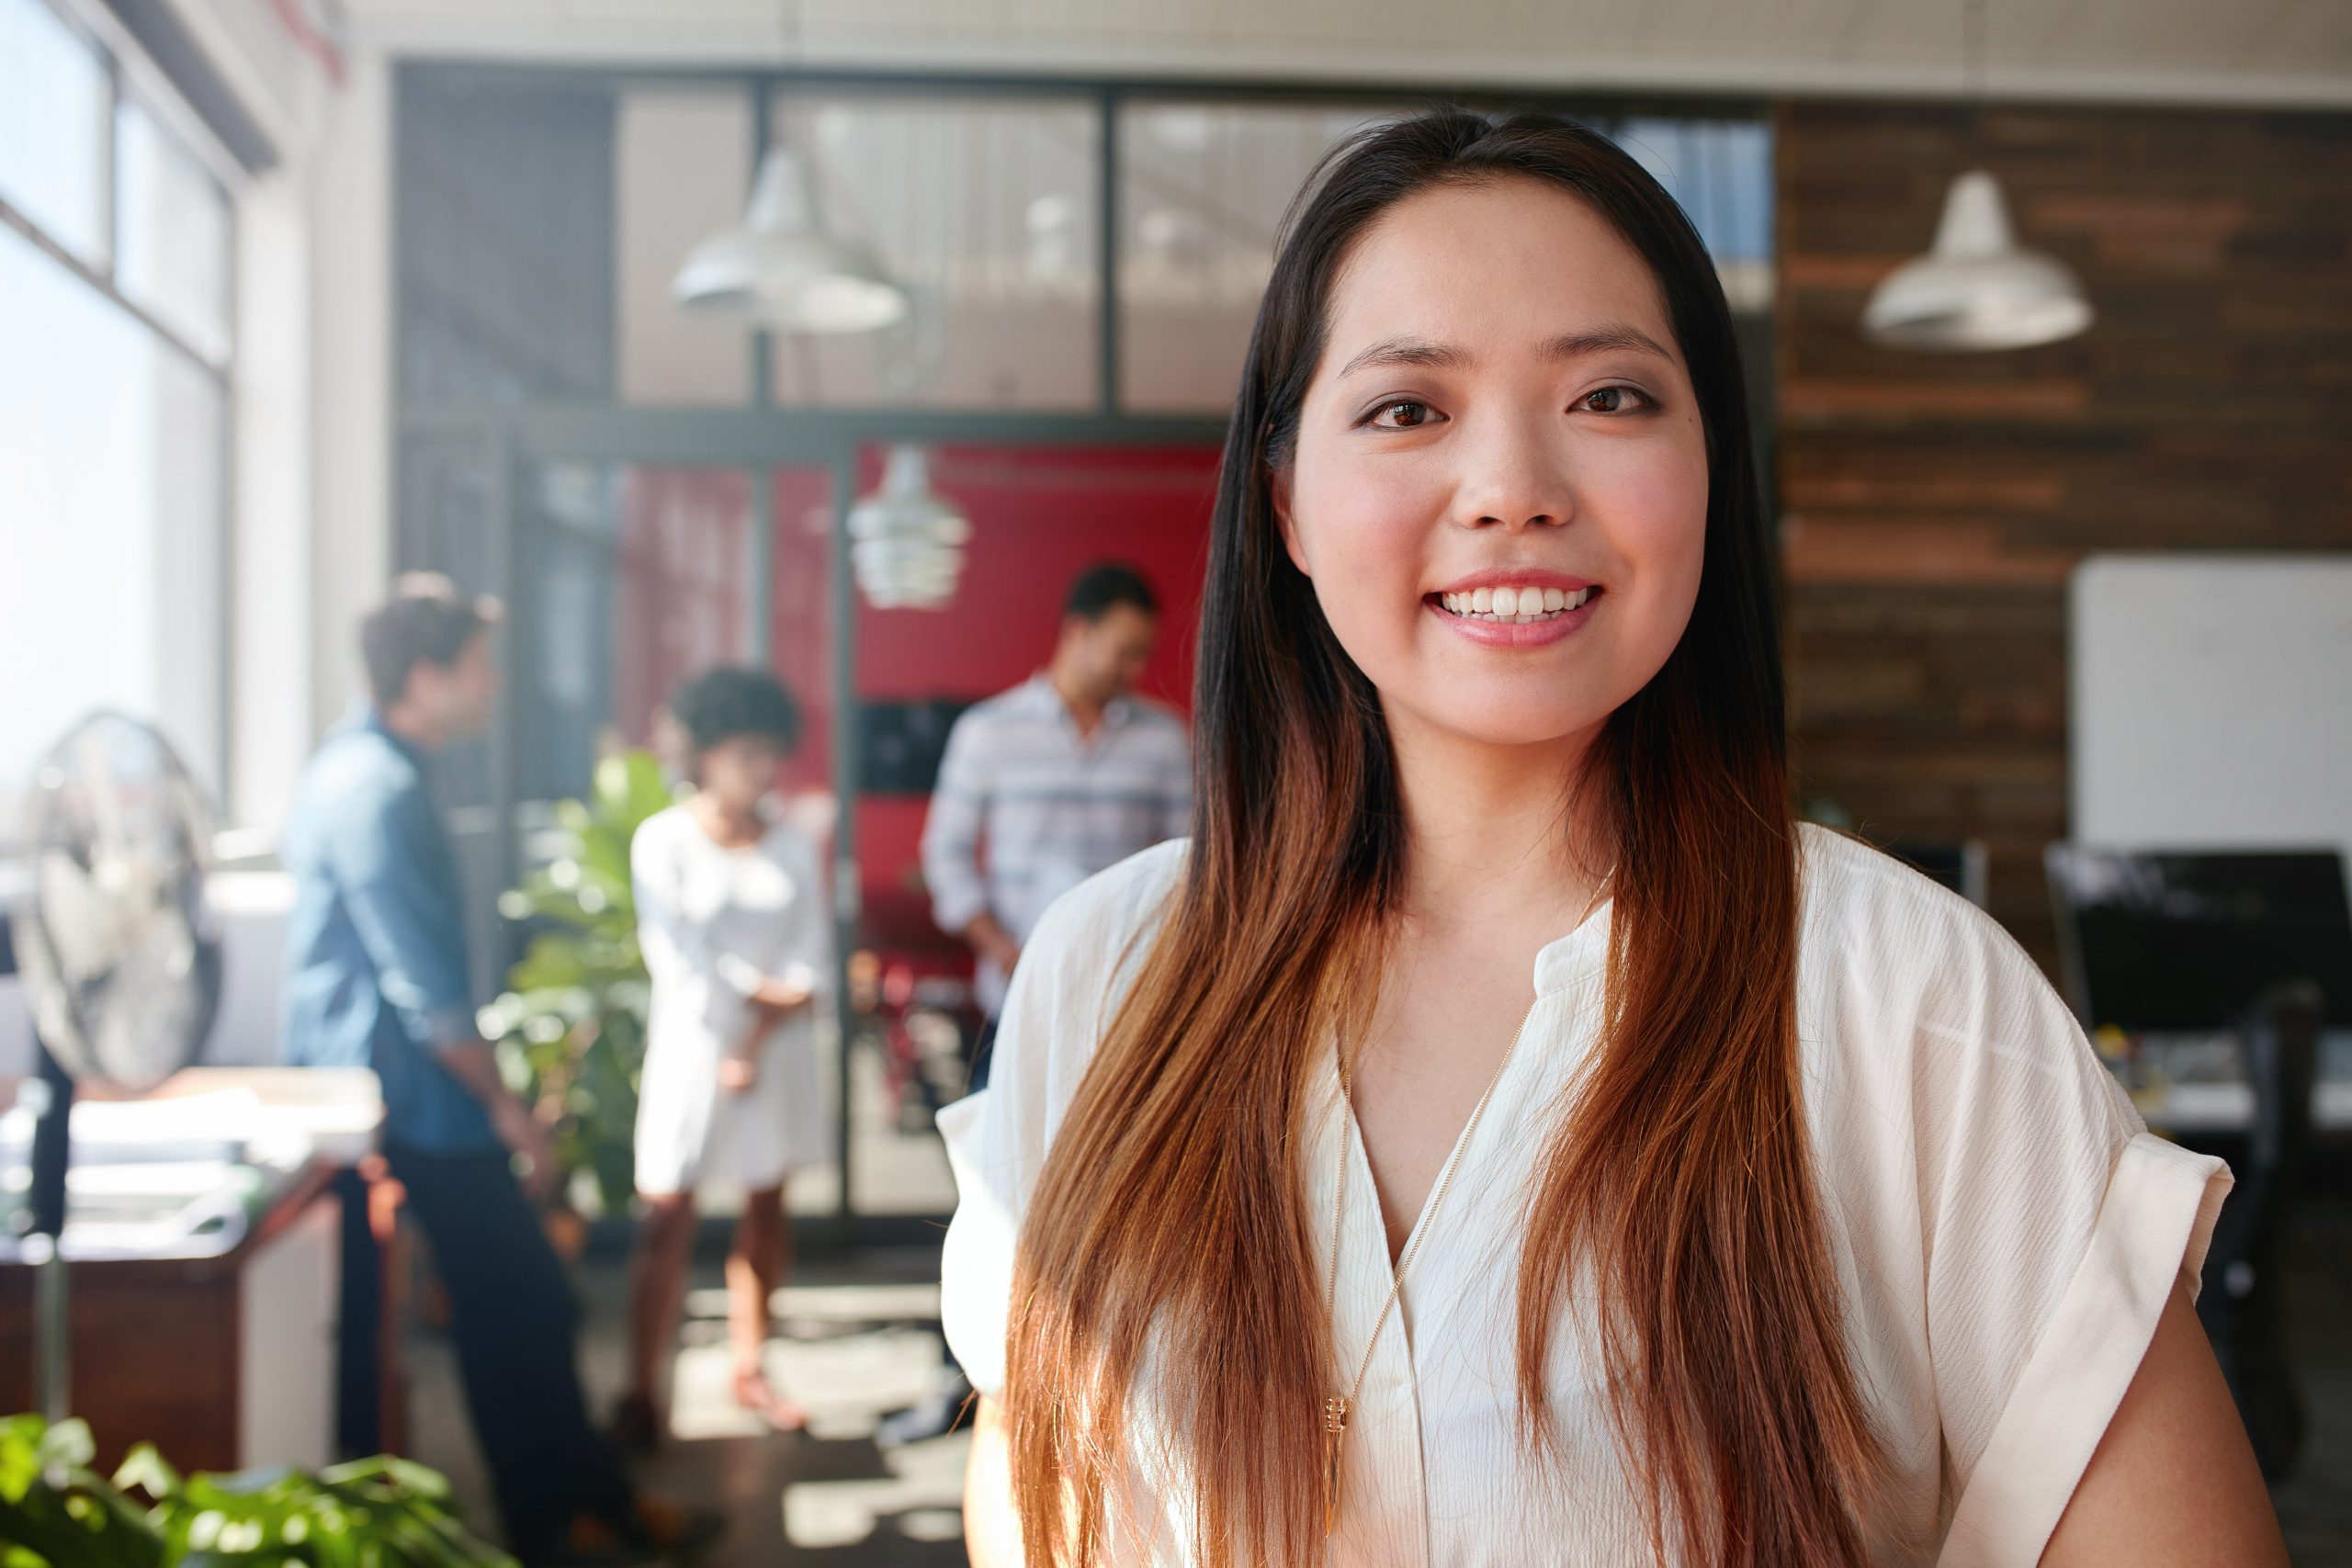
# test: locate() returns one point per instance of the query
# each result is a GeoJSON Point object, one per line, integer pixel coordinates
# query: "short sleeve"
{"type": "Point", "coordinates": [1071, 974]}
{"type": "Point", "coordinates": [996, 1142]}
{"type": "Point", "coordinates": [2054, 1225]}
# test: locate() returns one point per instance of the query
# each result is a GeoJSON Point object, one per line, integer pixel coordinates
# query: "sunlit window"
{"type": "Point", "coordinates": [171, 233]}
{"type": "Point", "coordinates": [113, 409]}
{"type": "Point", "coordinates": [55, 101]}
{"type": "Point", "coordinates": [111, 500]}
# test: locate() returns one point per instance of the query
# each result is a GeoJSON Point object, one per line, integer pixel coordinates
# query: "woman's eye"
{"type": "Point", "coordinates": [1402, 414]}
{"type": "Point", "coordinates": [1612, 400]}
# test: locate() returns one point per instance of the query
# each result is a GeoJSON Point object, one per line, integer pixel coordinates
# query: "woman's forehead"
{"type": "Point", "coordinates": [1500, 266]}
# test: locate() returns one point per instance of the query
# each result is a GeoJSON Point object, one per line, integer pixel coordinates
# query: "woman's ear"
{"type": "Point", "coordinates": [1280, 488]}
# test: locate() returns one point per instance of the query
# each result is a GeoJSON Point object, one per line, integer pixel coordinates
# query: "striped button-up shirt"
{"type": "Point", "coordinates": [1026, 808]}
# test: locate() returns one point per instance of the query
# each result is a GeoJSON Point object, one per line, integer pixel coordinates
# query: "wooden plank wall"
{"type": "Point", "coordinates": [1932, 507]}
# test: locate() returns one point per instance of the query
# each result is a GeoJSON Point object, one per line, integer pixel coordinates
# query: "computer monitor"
{"type": "Point", "coordinates": [2167, 940]}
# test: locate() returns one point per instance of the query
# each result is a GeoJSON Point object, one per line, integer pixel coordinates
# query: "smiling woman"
{"type": "Point", "coordinates": [1503, 1136]}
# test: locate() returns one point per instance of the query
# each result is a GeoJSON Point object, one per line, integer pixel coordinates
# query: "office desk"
{"type": "Point", "coordinates": [2193, 1086]}
{"type": "Point", "coordinates": [209, 1329]}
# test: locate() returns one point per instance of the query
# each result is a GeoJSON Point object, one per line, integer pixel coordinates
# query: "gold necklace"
{"type": "Point", "coordinates": [1338, 1408]}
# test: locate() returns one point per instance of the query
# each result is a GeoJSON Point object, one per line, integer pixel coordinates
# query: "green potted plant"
{"type": "Point", "coordinates": [570, 1028]}
{"type": "Point", "coordinates": [56, 1511]}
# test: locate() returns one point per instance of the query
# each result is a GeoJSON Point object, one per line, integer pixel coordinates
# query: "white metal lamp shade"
{"type": "Point", "coordinates": [906, 543]}
{"type": "Point", "coordinates": [785, 270]}
{"type": "Point", "coordinates": [1977, 290]}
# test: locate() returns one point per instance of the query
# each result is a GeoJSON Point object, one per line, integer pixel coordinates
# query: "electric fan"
{"type": "Point", "coordinates": [119, 956]}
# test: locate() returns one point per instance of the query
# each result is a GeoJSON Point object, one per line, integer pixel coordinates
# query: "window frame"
{"type": "Point", "coordinates": [132, 77]}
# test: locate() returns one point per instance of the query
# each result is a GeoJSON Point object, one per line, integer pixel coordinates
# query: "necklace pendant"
{"type": "Point", "coordinates": [1335, 1428]}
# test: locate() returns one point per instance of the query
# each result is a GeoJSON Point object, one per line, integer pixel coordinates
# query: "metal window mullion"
{"type": "Point", "coordinates": [111, 172]}
{"type": "Point", "coordinates": [1107, 345]}
{"type": "Point", "coordinates": [505, 734]}
{"type": "Point", "coordinates": [847, 889]}
{"type": "Point", "coordinates": [229, 490]}
{"type": "Point", "coordinates": [757, 648]}
{"type": "Point", "coordinates": [763, 341]}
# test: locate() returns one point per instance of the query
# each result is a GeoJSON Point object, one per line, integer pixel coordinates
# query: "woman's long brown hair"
{"type": "Point", "coordinates": [1170, 1213]}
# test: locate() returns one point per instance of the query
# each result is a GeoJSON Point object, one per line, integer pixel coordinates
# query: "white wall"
{"type": "Point", "coordinates": [269, 649]}
{"type": "Point", "coordinates": [350, 316]}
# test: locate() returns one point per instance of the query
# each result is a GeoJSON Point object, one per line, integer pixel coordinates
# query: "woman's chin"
{"type": "Point", "coordinates": [1497, 723]}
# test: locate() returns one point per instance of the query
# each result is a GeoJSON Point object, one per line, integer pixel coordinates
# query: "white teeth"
{"type": "Point", "coordinates": [1515, 606]}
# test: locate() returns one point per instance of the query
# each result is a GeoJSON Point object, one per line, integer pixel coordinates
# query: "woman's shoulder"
{"type": "Point", "coordinates": [660, 833]}
{"type": "Point", "coordinates": [1093, 924]}
{"type": "Point", "coordinates": [1079, 962]}
{"type": "Point", "coordinates": [1874, 922]}
{"type": "Point", "coordinates": [1904, 984]}
{"type": "Point", "coordinates": [1912, 999]}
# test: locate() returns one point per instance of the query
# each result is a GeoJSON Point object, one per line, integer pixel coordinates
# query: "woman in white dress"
{"type": "Point", "coordinates": [1501, 1136]}
{"type": "Point", "coordinates": [737, 933]}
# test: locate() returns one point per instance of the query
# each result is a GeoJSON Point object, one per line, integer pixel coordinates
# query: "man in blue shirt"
{"type": "Point", "coordinates": [376, 977]}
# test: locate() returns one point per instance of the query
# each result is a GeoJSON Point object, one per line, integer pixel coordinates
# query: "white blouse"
{"type": "Point", "coordinates": [2005, 1230]}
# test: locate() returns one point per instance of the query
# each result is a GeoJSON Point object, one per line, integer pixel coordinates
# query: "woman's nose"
{"type": "Point", "coordinates": [1514, 475]}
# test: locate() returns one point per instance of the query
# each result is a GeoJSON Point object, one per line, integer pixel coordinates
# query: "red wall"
{"type": "Point", "coordinates": [1040, 517]}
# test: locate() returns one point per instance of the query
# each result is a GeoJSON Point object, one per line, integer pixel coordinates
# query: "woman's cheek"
{"type": "Point", "coordinates": [1365, 547]}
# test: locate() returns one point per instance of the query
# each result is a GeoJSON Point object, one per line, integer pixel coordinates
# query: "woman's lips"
{"type": "Point", "coordinates": [1543, 627]}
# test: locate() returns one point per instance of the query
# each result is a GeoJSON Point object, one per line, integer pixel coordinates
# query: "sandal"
{"type": "Point", "coordinates": [756, 1394]}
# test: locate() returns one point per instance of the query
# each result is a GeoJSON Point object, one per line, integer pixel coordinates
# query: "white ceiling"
{"type": "Point", "coordinates": [2289, 52]}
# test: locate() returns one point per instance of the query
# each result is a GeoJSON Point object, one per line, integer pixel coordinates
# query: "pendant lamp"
{"type": "Point", "coordinates": [1977, 290]}
{"type": "Point", "coordinates": [784, 268]}
{"type": "Point", "coordinates": [907, 542]}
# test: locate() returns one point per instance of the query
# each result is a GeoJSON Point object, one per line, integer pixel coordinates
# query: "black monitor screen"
{"type": "Point", "coordinates": [2164, 941]}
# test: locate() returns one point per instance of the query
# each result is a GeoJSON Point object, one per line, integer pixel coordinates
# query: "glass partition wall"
{"type": "Point", "coordinates": [654, 491]}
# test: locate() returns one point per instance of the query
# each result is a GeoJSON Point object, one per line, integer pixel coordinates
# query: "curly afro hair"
{"type": "Point", "coordinates": [720, 704]}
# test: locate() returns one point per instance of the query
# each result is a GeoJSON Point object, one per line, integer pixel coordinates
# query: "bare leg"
{"type": "Point", "coordinates": [657, 1294]}
{"type": "Point", "coordinates": [754, 1269]}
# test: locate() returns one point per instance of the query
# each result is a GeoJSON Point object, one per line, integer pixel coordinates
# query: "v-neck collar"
{"type": "Point", "coordinates": [1566, 959]}
{"type": "Point", "coordinates": [1391, 1389]}
{"type": "Point", "coordinates": [1559, 964]}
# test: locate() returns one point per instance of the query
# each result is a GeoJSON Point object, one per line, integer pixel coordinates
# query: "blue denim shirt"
{"type": "Point", "coordinates": [376, 944]}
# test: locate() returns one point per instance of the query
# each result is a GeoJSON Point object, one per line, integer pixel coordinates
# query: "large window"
{"type": "Point", "coordinates": [114, 345]}
{"type": "Point", "coordinates": [546, 215]}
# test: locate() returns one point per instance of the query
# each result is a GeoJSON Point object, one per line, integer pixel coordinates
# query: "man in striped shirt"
{"type": "Point", "coordinates": [1065, 774]}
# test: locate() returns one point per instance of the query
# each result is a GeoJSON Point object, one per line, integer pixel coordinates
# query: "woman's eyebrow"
{"type": "Point", "coordinates": [1429, 353]}
{"type": "Point", "coordinates": [1420, 351]}
{"type": "Point", "coordinates": [1603, 340]}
